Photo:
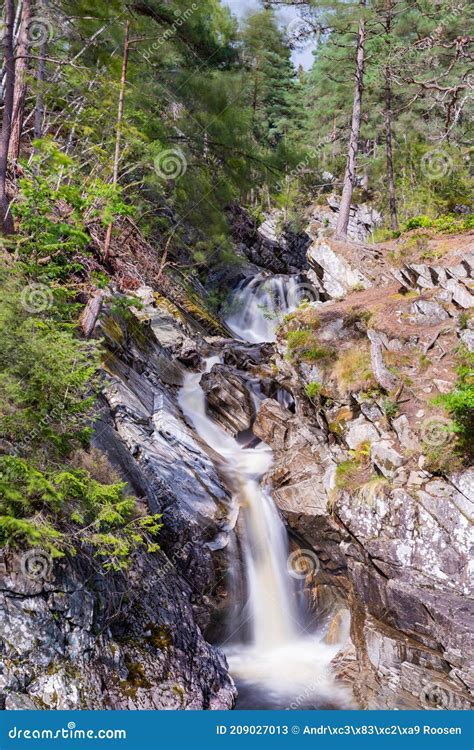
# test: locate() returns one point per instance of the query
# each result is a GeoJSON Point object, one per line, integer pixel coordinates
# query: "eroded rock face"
{"type": "Point", "coordinates": [63, 646]}
{"type": "Point", "coordinates": [270, 245]}
{"type": "Point", "coordinates": [362, 219]}
{"type": "Point", "coordinates": [352, 480]}
{"type": "Point", "coordinates": [228, 399]}
{"type": "Point", "coordinates": [87, 639]}
{"type": "Point", "coordinates": [332, 274]}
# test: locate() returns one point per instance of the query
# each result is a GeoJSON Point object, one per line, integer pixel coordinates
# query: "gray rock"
{"type": "Point", "coordinates": [467, 338]}
{"type": "Point", "coordinates": [404, 433]}
{"type": "Point", "coordinates": [385, 457]}
{"type": "Point", "coordinates": [335, 275]}
{"type": "Point", "coordinates": [360, 431]}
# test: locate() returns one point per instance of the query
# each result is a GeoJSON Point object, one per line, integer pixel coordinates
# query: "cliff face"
{"type": "Point", "coordinates": [72, 636]}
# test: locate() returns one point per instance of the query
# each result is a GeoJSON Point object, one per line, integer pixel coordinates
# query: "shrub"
{"type": "Point", "coordinates": [460, 401]}
{"type": "Point", "coordinates": [313, 389]}
{"type": "Point", "coordinates": [47, 376]}
{"type": "Point", "coordinates": [65, 510]}
{"type": "Point", "coordinates": [303, 345]}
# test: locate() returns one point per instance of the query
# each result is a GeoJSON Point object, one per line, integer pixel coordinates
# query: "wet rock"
{"type": "Point", "coordinates": [228, 399]}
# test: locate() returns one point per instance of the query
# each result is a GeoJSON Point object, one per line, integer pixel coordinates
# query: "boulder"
{"type": "Point", "coordinates": [228, 399]}
{"type": "Point", "coordinates": [331, 272]}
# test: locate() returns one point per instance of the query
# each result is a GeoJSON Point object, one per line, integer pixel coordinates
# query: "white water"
{"type": "Point", "coordinates": [279, 659]}
{"type": "Point", "coordinates": [259, 306]}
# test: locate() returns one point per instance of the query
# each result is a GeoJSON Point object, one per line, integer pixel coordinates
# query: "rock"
{"type": "Point", "coordinates": [467, 338]}
{"type": "Point", "coordinates": [271, 423]}
{"type": "Point", "coordinates": [360, 431]}
{"type": "Point", "coordinates": [332, 272]}
{"type": "Point", "coordinates": [228, 399]}
{"type": "Point", "coordinates": [404, 433]}
{"type": "Point", "coordinates": [56, 691]}
{"type": "Point", "coordinates": [385, 457]}
{"type": "Point", "coordinates": [460, 294]}
{"type": "Point", "coordinates": [382, 374]}
{"type": "Point", "coordinates": [427, 312]}
{"type": "Point", "coordinates": [19, 702]}
{"type": "Point", "coordinates": [271, 245]}
{"type": "Point", "coordinates": [362, 219]}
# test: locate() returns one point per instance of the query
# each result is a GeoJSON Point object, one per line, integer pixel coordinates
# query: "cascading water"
{"type": "Point", "coordinates": [279, 662]}
{"type": "Point", "coordinates": [259, 305]}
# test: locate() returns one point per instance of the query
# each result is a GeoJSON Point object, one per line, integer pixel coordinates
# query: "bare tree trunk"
{"type": "Point", "coordinates": [123, 80]}
{"type": "Point", "coordinates": [6, 222]}
{"type": "Point", "coordinates": [39, 105]}
{"type": "Point", "coordinates": [21, 72]}
{"type": "Point", "coordinates": [350, 175]}
{"type": "Point", "coordinates": [392, 194]}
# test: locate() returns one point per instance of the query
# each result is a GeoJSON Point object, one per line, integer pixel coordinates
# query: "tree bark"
{"type": "Point", "coordinates": [388, 116]}
{"type": "Point", "coordinates": [6, 222]}
{"type": "Point", "coordinates": [39, 105]}
{"type": "Point", "coordinates": [123, 80]}
{"type": "Point", "coordinates": [21, 71]}
{"type": "Point", "coordinates": [350, 177]}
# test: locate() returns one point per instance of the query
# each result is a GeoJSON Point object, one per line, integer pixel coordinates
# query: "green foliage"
{"type": "Point", "coordinates": [448, 223]}
{"type": "Point", "coordinates": [349, 474]}
{"type": "Point", "coordinates": [64, 511]}
{"type": "Point", "coordinates": [303, 345]}
{"type": "Point", "coordinates": [53, 200]}
{"type": "Point", "coordinates": [313, 389]}
{"type": "Point", "coordinates": [460, 402]}
{"type": "Point", "coordinates": [391, 408]}
{"type": "Point", "coordinates": [47, 375]}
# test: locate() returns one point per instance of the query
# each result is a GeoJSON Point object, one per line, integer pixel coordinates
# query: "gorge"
{"type": "Point", "coordinates": [316, 588]}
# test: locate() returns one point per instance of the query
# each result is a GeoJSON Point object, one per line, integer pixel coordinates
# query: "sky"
{"type": "Point", "coordinates": [240, 8]}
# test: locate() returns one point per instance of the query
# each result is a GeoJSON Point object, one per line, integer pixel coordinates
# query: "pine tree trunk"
{"type": "Point", "coordinates": [392, 194]}
{"type": "Point", "coordinates": [21, 72]}
{"type": "Point", "coordinates": [350, 175]}
{"type": "Point", "coordinates": [39, 105]}
{"type": "Point", "coordinates": [123, 80]}
{"type": "Point", "coordinates": [6, 222]}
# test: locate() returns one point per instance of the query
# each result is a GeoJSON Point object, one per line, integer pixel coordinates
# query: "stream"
{"type": "Point", "coordinates": [277, 657]}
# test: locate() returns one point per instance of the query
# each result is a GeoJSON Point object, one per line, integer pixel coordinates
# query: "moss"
{"type": "Point", "coordinates": [136, 674]}
{"type": "Point", "coordinates": [313, 389]}
{"type": "Point", "coordinates": [160, 637]}
{"type": "Point", "coordinates": [113, 330]}
{"type": "Point", "coordinates": [352, 472]}
{"type": "Point", "coordinates": [180, 692]}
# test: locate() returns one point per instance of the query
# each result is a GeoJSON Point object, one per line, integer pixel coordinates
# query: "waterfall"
{"type": "Point", "coordinates": [258, 306]}
{"type": "Point", "coordinates": [264, 539]}
{"type": "Point", "coordinates": [279, 658]}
